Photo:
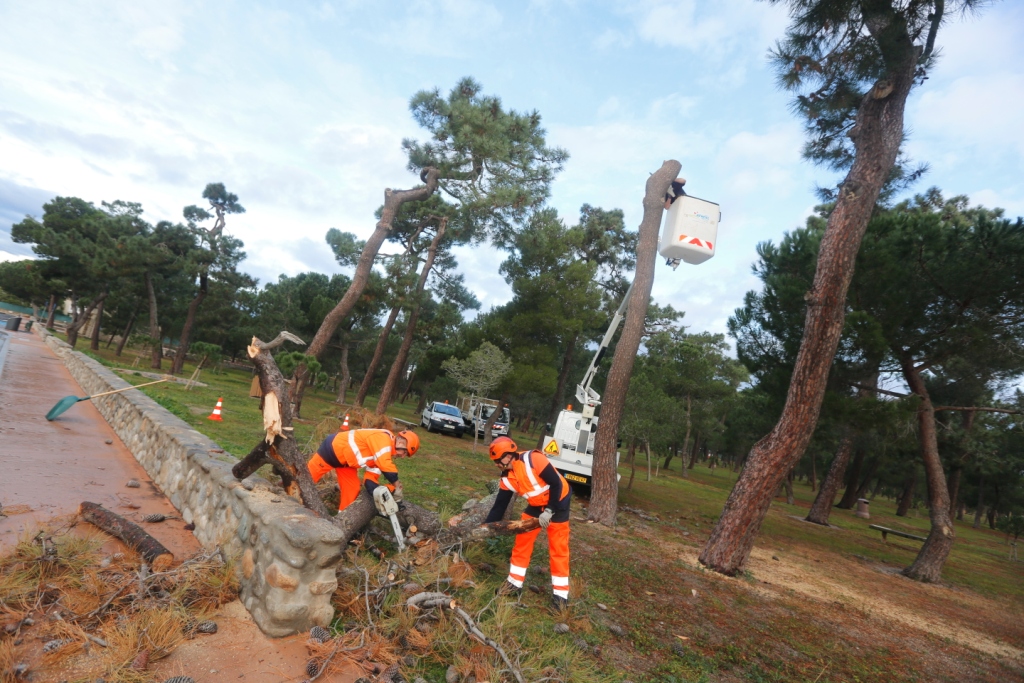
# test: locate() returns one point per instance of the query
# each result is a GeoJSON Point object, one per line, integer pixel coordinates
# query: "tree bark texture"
{"type": "Point", "coordinates": [157, 352]}
{"type": "Point", "coordinates": [94, 344]}
{"type": "Point", "coordinates": [387, 394]}
{"type": "Point", "coordinates": [877, 135]}
{"type": "Point", "coordinates": [928, 564]}
{"type": "Point", "coordinates": [378, 355]}
{"type": "Point", "coordinates": [907, 496]}
{"type": "Point", "coordinates": [563, 378]}
{"type": "Point", "coordinates": [822, 506]}
{"type": "Point", "coordinates": [346, 374]}
{"type": "Point", "coordinates": [852, 479]}
{"type": "Point", "coordinates": [190, 321]}
{"type": "Point", "coordinates": [393, 201]}
{"type": "Point", "coordinates": [604, 491]}
{"type": "Point", "coordinates": [127, 333]}
{"type": "Point", "coordinates": [152, 551]}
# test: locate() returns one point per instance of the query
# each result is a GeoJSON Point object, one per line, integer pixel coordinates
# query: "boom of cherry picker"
{"type": "Point", "coordinates": [689, 234]}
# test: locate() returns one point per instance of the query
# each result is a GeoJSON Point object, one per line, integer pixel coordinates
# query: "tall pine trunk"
{"type": "Point", "coordinates": [907, 495]}
{"type": "Point", "coordinates": [378, 355]}
{"type": "Point", "coordinates": [604, 490]}
{"type": "Point", "coordinates": [928, 564]}
{"type": "Point", "coordinates": [980, 509]}
{"type": "Point", "coordinates": [822, 506]}
{"type": "Point", "coordinates": [77, 324]}
{"type": "Point", "coordinates": [346, 374]}
{"type": "Point", "coordinates": [127, 333]}
{"type": "Point", "coordinates": [877, 135]}
{"type": "Point", "coordinates": [393, 201]}
{"type": "Point", "coordinates": [157, 352]}
{"type": "Point", "coordinates": [387, 394]}
{"type": "Point", "coordinates": [52, 313]}
{"type": "Point", "coordinates": [190, 321]}
{"type": "Point", "coordinates": [95, 340]}
{"type": "Point", "coordinates": [852, 479]}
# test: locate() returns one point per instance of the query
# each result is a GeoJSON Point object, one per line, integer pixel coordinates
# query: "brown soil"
{"type": "Point", "coordinates": [49, 468]}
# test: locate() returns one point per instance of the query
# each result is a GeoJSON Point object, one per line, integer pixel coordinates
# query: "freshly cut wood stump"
{"type": "Point", "coordinates": [152, 551]}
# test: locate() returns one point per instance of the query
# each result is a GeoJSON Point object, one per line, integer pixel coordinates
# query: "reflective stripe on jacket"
{"type": "Point", "coordinates": [369, 448]}
{"type": "Point", "coordinates": [523, 478]}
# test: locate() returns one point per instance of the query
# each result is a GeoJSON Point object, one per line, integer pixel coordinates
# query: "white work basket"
{"type": "Point", "coordinates": [690, 231]}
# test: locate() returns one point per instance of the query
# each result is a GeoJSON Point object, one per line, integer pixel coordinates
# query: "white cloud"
{"type": "Point", "coordinates": [8, 256]}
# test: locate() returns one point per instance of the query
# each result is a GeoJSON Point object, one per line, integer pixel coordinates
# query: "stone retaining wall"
{"type": "Point", "coordinates": [288, 556]}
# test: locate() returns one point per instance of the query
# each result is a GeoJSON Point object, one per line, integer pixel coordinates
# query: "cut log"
{"type": "Point", "coordinates": [153, 552]}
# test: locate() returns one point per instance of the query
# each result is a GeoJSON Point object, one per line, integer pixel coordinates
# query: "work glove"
{"type": "Point", "coordinates": [399, 492]}
{"type": "Point", "coordinates": [545, 518]}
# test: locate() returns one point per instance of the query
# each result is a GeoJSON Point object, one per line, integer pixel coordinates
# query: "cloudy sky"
{"type": "Point", "coordinates": [300, 107]}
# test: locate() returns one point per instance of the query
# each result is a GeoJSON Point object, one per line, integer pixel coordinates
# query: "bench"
{"type": "Point", "coordinates": [886, 531]}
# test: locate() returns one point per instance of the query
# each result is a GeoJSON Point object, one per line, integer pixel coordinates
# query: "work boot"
{"type": "Point", "coordinates": [508, 588]}
{"type": "Point", "coordinates": [559, 603]}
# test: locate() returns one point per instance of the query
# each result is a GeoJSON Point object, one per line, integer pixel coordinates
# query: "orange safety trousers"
{"type": "Point", "coordinates": [348, 479]}
{"type": "Point", "coordinates": [558, 551]}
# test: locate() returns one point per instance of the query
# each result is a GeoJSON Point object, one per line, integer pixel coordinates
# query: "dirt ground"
{"type": "Point", "coordinates": [51, 467]}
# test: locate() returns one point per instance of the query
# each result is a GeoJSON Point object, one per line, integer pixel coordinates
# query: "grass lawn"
{"type": "Point", "coordinates": [815, 604]}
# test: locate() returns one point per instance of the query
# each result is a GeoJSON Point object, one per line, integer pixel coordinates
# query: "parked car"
{"type": "Point", "coordinates": [444, 418]}
{"type": "Point", "coordinates": [501, 424]}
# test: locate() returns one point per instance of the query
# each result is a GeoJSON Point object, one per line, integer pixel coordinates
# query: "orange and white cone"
{"type": "Point", "coordinates": [344, 425]}
{"type": "Point", "coordinates": [215, 415]}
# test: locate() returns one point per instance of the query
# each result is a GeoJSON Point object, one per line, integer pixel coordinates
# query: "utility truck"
{"type": "Point", "coordinates": [476, 411]}
{"type": "Point", "coordinates": [689, 233]}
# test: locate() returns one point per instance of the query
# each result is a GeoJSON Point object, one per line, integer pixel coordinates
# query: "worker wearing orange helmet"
{"type": "Point", "coordinates": [547, 493]}
{"type": "Point", "coordinates": [374, 449]}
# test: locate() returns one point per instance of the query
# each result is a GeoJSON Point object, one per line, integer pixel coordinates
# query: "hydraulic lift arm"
{"type": "Point", "coordinates": [584, 393]}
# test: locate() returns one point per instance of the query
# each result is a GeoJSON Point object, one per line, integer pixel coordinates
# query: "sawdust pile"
{"type": "Point", "coordinates": [70, 611]}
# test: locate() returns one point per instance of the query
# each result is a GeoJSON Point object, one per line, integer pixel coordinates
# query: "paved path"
{"type": "Point", "coordinates": [48, 468]}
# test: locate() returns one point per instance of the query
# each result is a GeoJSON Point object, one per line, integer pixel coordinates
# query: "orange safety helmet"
{"type": "Point", "coordinates": [501, 446]}
{"type": "Point", "coordinates": [412, 441]}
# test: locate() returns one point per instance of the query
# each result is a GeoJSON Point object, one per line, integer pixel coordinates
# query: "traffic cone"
{"type": "Point", "coordinates": [344, 425]}
{"type": "Point", "coordinates": [215, 415]}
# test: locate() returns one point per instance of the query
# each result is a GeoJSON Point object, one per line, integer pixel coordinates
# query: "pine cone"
{"type": "Point", "coordinates": [154, 518]}
{"type": "Point", "coordinates": [312, 668]}
{"type": "Point", "coordinates": [207, 627]}
{"type": "Point", "coordinates": [54, 645]}
{"type": "Point", "coordinates": [133, 484]}
{"type": "Point", "coordinates": [390, 674]}
{"type": "Point", "coordinates": [180, 679]}
{"type": "Point", "coordinates": [319, 634]}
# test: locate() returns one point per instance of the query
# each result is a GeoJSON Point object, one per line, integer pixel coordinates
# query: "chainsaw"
{"type": "Point", "coordinates": [388, 507]}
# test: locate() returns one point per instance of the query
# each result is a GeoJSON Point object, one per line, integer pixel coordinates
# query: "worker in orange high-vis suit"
{"type": "Point", "coordinates": [547, 494]}
{"type": "Point", "coordinates": [374, 449]}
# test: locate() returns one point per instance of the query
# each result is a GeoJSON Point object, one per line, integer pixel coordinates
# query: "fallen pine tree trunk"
{"type": "Point", "coordinates": [153, 552]}
{"type": "Point", "coordinates": [280, 449]}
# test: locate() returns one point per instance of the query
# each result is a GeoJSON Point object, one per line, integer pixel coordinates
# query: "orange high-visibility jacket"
{"type": "Point", "coordinates": [373, 449]}
{"type": "Point", "coordinates": [523, 477]}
